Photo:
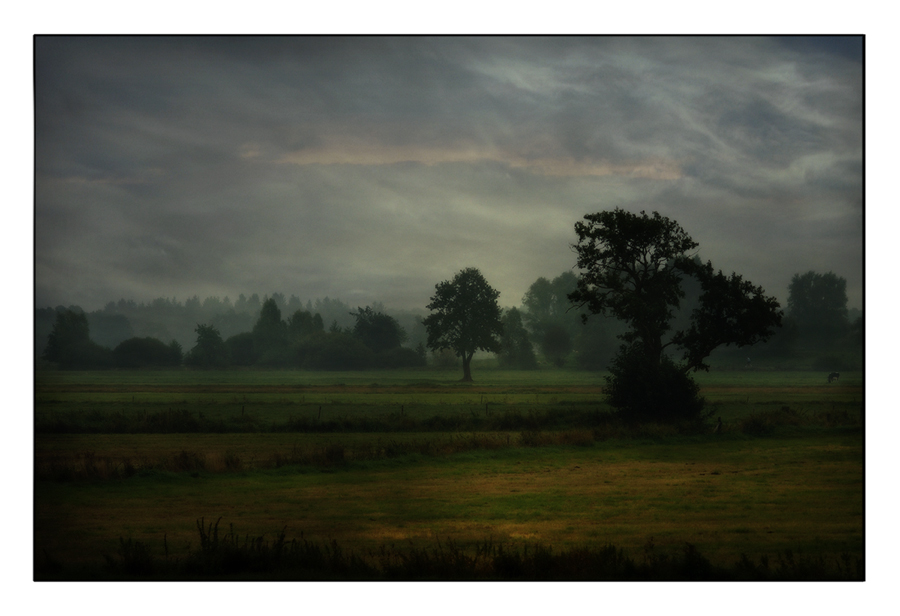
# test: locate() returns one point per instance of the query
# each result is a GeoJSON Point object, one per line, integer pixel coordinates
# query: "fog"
{"type": "Point", "coordinates": [369, 169]}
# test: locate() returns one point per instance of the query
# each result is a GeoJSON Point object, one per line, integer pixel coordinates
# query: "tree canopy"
{"type": "Point", "coordinates": [378, 331]}
{"type": "Point", "coordinates": [633, 266]}
{"type": "Point", "coordinates": [465, 317]}
{"type": "Point", "coordinates": [70, 346]}
{"type": "Point", "coordinates": [147, 352]}
{"type": "Point", "coordinates": [515, 347]}
{"type": "Point", "coordinates": [818, 304]}
{"type": "Point", "coordinates": [210, 350]}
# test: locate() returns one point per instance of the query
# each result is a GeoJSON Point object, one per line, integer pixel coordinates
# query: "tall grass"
{"type": "Point", "coordinates": [227, 555]}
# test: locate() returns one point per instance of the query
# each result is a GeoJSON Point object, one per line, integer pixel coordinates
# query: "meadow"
{"type": "Point", "coordinates": [412, 474]}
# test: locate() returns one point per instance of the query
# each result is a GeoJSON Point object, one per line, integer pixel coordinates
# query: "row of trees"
{"type": "Point", "coordinates": [641, 270]}
{"type": "Point", "coordinates": [673, 311]}
{"type": "Point", "coordinates": [70, 346]}
{"type": "Point", "coordinates": [170, 319]}
{"type": "Point", "coordinates": [545, 328]}
{"type": "Point", "coordinates": [301, 341]}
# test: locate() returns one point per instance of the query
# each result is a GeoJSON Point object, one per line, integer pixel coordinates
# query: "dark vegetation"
{"type": "Point", "coordinates": [228, 555]}
{"type": "Point", "coordinates": [465, 318]}
{"type": "Point", "coordinates": [643, 306]}
{"type": "Point", "coordinates": [634, 267]}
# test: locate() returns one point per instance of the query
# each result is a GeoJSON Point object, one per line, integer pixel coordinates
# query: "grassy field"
{"type": "Point", "coordinates": [516, 459]}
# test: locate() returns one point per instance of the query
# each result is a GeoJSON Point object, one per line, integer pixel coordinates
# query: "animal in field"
{"type": "Point", "coordinates": [718, 428]}
{"type": "Point", "coordinates": [834, 376]}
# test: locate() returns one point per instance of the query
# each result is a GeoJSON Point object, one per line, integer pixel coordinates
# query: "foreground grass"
{"type": "Point", "coordinates": [385, 474]}
{"type": "Point", "coordinates": [727, 497]}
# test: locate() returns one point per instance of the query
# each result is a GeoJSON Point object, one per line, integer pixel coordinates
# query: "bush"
{"type": "Point", "coordinates": [146, 352]}
{"type": "Point", "coordinates": [642, 390]}
{"type": "Point", "coordinates": [399, 357]}
{"type": "Point", "coordinates": [86, 356]}
{"type": "Point", "coordinates": [334, 351]}
{"type": "Point", "coordinates": [241, 350]}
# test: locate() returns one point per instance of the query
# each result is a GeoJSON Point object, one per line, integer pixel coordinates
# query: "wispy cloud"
{"type": "Point", "coordinates": [336, 166]}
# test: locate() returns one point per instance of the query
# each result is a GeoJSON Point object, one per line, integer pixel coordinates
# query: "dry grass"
{"type": "Point", "coordinates": [754, 497]}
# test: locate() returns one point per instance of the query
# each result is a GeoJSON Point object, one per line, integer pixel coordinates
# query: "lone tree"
{"type": "Point", "coordinates": [465, 317]}
{"type": "Point", "coordinates": [633, 267]}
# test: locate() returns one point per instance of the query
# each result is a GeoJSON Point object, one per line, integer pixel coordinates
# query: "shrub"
{"type": "Point", "coordinates": [146, 352]}
{"type": "Point", "coordinates": [399, 357]}
{"type": "Point", "coordinates": [210, 350]}
{"type": "Point", "coordinates": [334, 351]}
{"type": "Point", "coordinates": [643, 390]}
{"type": "Point", "coordinates": [240, 348]}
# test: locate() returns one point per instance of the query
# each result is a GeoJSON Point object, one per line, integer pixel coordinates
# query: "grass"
{"type": "Point", "coordinates": [785, 477]}
{"type": "Point", "coordinates": [230, 556]}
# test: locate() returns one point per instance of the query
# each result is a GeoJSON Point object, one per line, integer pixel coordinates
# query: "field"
{"type": "Point", "coordinates": [411, 474]}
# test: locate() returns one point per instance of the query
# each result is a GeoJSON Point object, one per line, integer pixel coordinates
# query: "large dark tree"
{"type": "Point", "coordinates": [270, 335]}
{"type": "Point", "coordinates": [465, 317]}
{"type": "Point", "coordinates": [633, 267]}
{"type": "Point", "coordinates": [70, 346]}
{"type": "Point", "coordinates": [818, 304]}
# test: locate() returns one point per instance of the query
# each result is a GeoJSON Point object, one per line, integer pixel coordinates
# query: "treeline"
{"type": "Point", "coordinates": [818, 332]}
{"type": "Point", "coordinates": [300, 341]}
{"type": "Point", "coordinates": [168, 319]}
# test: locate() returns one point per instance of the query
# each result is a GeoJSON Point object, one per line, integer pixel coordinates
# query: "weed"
{"type": "Point", "coordinates": [230, 556]}
{"type": "Point", "coordinates": [134, 559]}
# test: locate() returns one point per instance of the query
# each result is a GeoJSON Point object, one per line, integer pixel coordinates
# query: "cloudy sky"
{"type": "Point", "coordinates": [369, 169]}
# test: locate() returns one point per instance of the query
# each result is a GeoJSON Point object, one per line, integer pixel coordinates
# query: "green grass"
{"type": "Point", "coordinates": [785, 476]}
{"type": "Point", "coordinates": [727, 497]}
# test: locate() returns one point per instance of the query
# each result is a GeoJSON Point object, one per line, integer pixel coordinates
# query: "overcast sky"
{"type": "Point", "coordinates": [370, 169]}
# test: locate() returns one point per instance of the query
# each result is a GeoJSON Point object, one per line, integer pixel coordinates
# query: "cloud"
{"type": "Point", "coordinates": [345, 166]}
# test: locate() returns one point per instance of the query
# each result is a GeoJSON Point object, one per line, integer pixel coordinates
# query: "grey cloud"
{"type": "Point", "coordinates": [157, 172]}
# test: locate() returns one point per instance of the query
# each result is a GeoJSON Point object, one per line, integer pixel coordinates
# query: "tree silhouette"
{"type": "Point", "coordinates": [69, 343]}
{"type": "Point", "coordinates": [633, 266]}
{"type": "Point", "coordinates": [465, 317]}
{"type": "Point", "coordinates": [378, 331]}
{"type": "Point", "coordinates": [210, 350]}
{"type": "Point", "coordinates": [515, 347]}
{"type": "Point", "coordinates": [818, 304]}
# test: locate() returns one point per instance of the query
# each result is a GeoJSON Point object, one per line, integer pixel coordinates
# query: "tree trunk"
{"type": "Point", "coordinates": [467, 369]}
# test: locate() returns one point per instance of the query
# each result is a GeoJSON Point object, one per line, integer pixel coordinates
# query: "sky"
{"type": "Point", "coordinates": [372, 168]}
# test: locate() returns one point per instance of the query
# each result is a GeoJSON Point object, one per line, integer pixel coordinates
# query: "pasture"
{"type": "Point", "coordinates": [388, 464]}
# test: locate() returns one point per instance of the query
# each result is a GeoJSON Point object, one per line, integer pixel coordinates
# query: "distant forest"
{"type": "Point", "coordinates": [169, 319]}
{"type": "Point", "coordinates": [819, 332]}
